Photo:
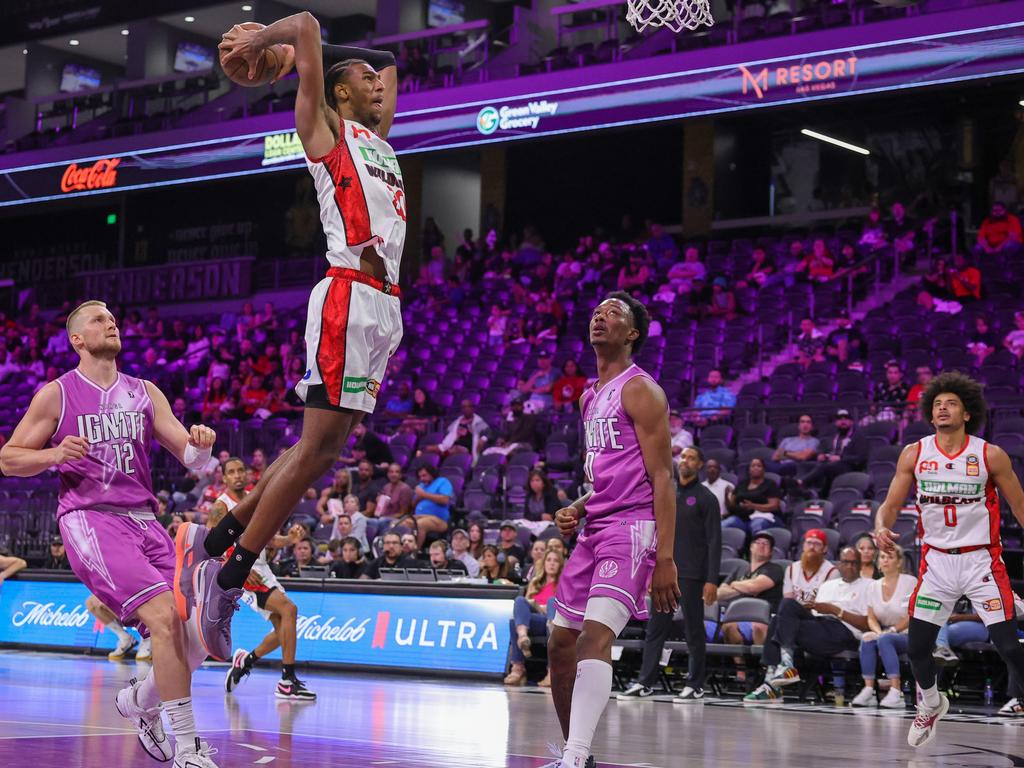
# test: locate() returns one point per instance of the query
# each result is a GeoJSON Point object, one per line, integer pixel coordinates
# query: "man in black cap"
{"type": "Point", "coordinates": [698, 556]}
{"type": "Point", "coordinates": [845, 345]}
{"type": "Point", "coordinates": [844, 451]}
{"type": "Point", "coordinates": [518, 430]}
{"type": "Point", "coordinates": [759, 578]}
{"type": "Point", "coordinates": [508, 543]}
{"type": "Point", "coordinates": [58, 558]}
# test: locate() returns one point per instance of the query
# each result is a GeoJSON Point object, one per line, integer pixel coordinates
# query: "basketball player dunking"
{"type": "Point", "coordinates": [96, 425]}
{"type": "Point", "coordinates": [265, 595]}
{"type": "Point", "coordinates": [626, 547]}
{"type": "Point", "coordinates": [957, 476]}
{"type": "Point", "coordinates": [354, 322]}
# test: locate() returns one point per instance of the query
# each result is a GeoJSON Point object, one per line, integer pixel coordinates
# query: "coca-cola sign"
{"type": "Point", "coordinates": [100, 175]}
{"type": "Point", "coordinates": [50, 615]}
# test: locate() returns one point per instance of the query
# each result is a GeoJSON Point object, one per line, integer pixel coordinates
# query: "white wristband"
{"type": "Point", "coordinates": [196, 458]}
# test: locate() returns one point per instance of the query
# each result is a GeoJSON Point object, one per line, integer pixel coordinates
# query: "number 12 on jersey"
{"type": "Point", "coordinates": [124, 455]}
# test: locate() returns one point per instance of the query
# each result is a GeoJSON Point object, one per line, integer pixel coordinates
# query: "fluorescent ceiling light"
{"type": "Point", "coordinates": [190, 19]}
{"type": "Point", "coordinates": [837, 142]}
{"type": "Point", "coordinates": [124, 31]}
{"type": "Point", "coordinates": [1021, 102]}
{"type": "Point", "coordinates": [72, 42]}
{"type": "Point", "coordinates": [246, 7]}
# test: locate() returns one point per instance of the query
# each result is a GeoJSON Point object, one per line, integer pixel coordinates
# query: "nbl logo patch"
{"type": "Point", "coordinates": [973, 467]}
{"type": "Point", "coordinates": [608, 569]}
{"type": "Point", "coordinates": [993, 605]}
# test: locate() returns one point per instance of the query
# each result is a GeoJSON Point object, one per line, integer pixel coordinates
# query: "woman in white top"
{"type": "Point", "coordinates": [888, 600]}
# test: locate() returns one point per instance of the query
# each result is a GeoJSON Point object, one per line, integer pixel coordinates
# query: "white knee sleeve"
{"type": "Point", "coordinates": [608, 611]}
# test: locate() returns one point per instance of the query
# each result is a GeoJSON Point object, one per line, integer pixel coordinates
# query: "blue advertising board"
{"type": "Point", "coordinates": [380, 630]}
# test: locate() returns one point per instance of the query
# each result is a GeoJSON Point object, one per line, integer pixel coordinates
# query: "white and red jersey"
{"type": "Point", "coordinates": [956, 498]}
{"type": "Point", "coordinates": [362, 198]}
{"type": "Point", "coordinates": [804, 586]}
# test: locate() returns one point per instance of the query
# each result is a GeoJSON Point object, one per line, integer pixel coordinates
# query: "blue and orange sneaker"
{"type": "Point", "coordinates": [189, 552]}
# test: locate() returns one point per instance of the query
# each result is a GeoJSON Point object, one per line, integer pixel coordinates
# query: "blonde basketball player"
{"type": "Point", "coordinates": [957, 476]}
{"type": "Point", "coordinates": [354, 321]}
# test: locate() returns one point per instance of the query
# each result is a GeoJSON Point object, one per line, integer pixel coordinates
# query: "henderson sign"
{"type": "Point", "coordinates": [369, 630]}
{"type": "Point", "coordinates": [446, 119]}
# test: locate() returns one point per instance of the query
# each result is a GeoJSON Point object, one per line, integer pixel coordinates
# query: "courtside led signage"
{"type": "Point", "coordinates": [514, 118]}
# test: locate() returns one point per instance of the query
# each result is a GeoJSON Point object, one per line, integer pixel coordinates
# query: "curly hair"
{"type": "Point", "coordinates": [970, 392]}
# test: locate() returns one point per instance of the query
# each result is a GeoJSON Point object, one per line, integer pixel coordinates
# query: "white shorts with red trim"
{"type": "Point", "coordinates": [352, 329]}
{"type": "Point", "coordinates": [979, 575]}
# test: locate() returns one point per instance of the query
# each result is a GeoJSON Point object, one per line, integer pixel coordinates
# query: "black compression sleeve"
{"type": "Point", "coordinates": [377, 59]}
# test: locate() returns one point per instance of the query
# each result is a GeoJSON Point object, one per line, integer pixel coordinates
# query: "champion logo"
{"type": "Point", "coordinates": [608, 569]}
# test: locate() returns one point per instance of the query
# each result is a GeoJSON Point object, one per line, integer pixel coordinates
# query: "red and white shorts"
{"type": "Point", "coordinates": [978, 574]}
{"type": "Point", "coordinates": [354, 324]}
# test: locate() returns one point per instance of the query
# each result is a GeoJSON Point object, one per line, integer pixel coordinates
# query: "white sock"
{"type": "Point", "coordinates": [930, 696]}
{"type": "Point", "coordinates": [183, 722]}
{"type": "Point", "coordinates": [146, 694]}
{"type": "Point", "coordinates": [118, 630]}
{"type": "Point", "coordinates": [787, 657]}
{"type": "Point", "coordinates": [589, 698]}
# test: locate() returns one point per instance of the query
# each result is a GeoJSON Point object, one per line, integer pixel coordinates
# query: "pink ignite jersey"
{"type": "Point", "coordinates": [118, 423]}
{"type": "Point", "coordinates": [614, 464]}
{"type": "Point", "coordinates": [362, 198]}
{"type": "Point", "coordinates": [956, 498]}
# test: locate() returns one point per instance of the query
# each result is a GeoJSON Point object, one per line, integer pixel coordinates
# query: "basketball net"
{"type": "Point", "coordinates": [674, 14]}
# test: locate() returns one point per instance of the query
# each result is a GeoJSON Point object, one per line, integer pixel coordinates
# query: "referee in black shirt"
{"type": "Point", "coordinates": [698, 555]}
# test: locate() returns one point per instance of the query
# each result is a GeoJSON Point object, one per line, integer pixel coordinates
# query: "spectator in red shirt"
{"type": "Point", "coordinates": [924, 376]}
{"type": "Point", "coordinates": [255, 397]}
{"type": "Point", "coordinates": [964, 280]}
{"type": "Point", "coordinates": [567, 389]}
{"type": "Point", "coordinates": [1000, 232]}
{"type": "Point", "coordinates": [817, 266]}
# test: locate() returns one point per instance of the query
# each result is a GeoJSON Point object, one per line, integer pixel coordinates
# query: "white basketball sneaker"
{"type": "Point", "coordinates": [893, 700]}
{"type": "Point", "coordinates": [147, 721]}
{"type": "Point", "coordinates": [198, 756]}
{"type": "Point", "coordinates": [866, 698]}
{"type": "Point", "coordinates": [922, 730]}
{"type": "Point", "coordinates": [124, 646]}
{"type": "Point", "coordinates": [145, 652]}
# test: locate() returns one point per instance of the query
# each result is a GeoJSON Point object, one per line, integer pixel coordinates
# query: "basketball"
{"type": "Point", "coordinates": [266, 68]}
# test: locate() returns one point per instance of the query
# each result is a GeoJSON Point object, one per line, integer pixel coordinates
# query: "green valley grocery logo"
{"type": "Point", "coordinates": [487, 121]}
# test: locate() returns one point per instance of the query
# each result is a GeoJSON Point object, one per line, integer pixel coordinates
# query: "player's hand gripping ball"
{"type": "Point", "coordinates": [247, 64]}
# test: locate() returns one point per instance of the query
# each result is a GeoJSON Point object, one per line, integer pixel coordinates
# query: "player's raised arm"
{"type": "Point", "coordinates": [316, 124]}
{"type": "Point", "coordinates": [1000, 469]}
{"type": "Point", "coordinates": [647, 406]}
{"type": "Point", "coordinates": [899, 487]}
{"type": "Point", "coordinates": [26, 453]}
{"type": "Point", "coordinates": [192, 447]}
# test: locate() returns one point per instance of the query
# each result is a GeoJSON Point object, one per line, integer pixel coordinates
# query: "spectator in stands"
{"type": "Point", "coordinates": [661, 246]}
{"type": "Point", "coordinates": [542, 498]}
{"type": "Point", "coordinates": [258, 464]}
{"type": "Point", "coordinates": [518, 430]}
{"type": "Point", "coordinates": [497, 326]}
{"type": "Point", "coordinates": [982, 342]}
{"type": "Point", "coordinates": [761, 268]}
{"type": "Point", "coordinates": [439, 560]}
{"type": "Point", "coordinates": [1014, 340]}
{"type": "Point", "coordinates": [395, 499]}
{"type": "Point", "coordinates": [391, 557]}
{"type": "Point", "coordinates": [8, 366]}
{"type": "Point", "coordinates": [681, 437]}
{"type": "Point", "coordinates": [811, 626]}
{"type": "Point", "coordinates": [532, 612]}
{"type": "Point", "coordinates": [760, 578]}
{"type": "Point", "coordinates": [683, 274]}
{"type": "Point", "coordinates": [9, 566]}
{"type": "Point", "coordinates": [844, 451]}
{"type": "Point", "coordinates": [873, 236]}
{"type": "Point", "coordinates": [901, 231]}
{"type": "Point", "coordinates": [792, 452]}
{"type": "Point", "coordinates": [568, 388]}
{"type": "Point", "coordinates": [497, 567]}
{"type": "Point", "coordinates": [460, 551]}
{"type": "Point", "coordinates": [818, 266]}
{"type": "Point", "coordinates": [57, 560]}
{"type": "Point", "coordinates": [338, 489]}
{"type": "Point", "coordinates": [352, 563]}
{"type": "Point", "coordinates": [465, 434]}
{"type": "Point", "coordinates": [717, 401]}
{"type": "Point", "coordinates": [722, 301]}
{"type": "Point", "coordinates": [888, 600]}
{"type": "Point", "coordinates": [964, 280]}
{"type": "Point", "coordinates": [810, 343]}
{"type": "Point", "coordinates": [349, 521]}
{"type": "Point", "coordinates": [868, 552]}
{"type": "Point", "coordinates": [754, 501]}
{"type": "Point", "coordinates": [845, 344]}
{"type": "Point", "coordinates": [535, 558]}
{"type": "Point", "coordinates": [399, 405]}
{"type": "Point", "coordinates": [255, 397]}
{"type": "Point", "coordinates": [635, 275]}
{"type": "Point", "coordinates": [964, 626]}
{"type": "Point", "coordinates": [153, 327]}
{"type": "Point", "coordinates": [433, 496]}
{"type": "Point", "coordinates": [924, 374]}
{"type": "Point", "coordinates": [508, 541]}
{"type": "Point", "coordinates": [937, 282]}
{"type": "Point", "coordinates": [424, 411]}
{"type": "Point", "coordinates": [370, 446]}
{"type": "Point", "coordinates": [717, 484]}
{"type": "Point", "coordinates": [366, 487]}
{"type": "Point", "coordinates": [1000, 232]}
{"type": "Point", "coordinates": [476, 540]}
{"type": "Point", "coordinates": [891, 396]}
{"type": "Point", "coordinates": [537, 387]}
{"type": "Point", "coordinates": [411, 549]}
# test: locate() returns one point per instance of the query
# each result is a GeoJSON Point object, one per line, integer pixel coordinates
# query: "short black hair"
{"type": "Point", "coordinates": [229, 459]}
{"type": "Point", "coordinates": [641, 318]}
{"type": "Point", "coordinates": [970, 392]}
{"type": "Point", "coordinates": [695, 449]}
{"type": "Point", "coordinates": [336, 73]}
{"type": "Point", "coordinates": [433, 471]}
